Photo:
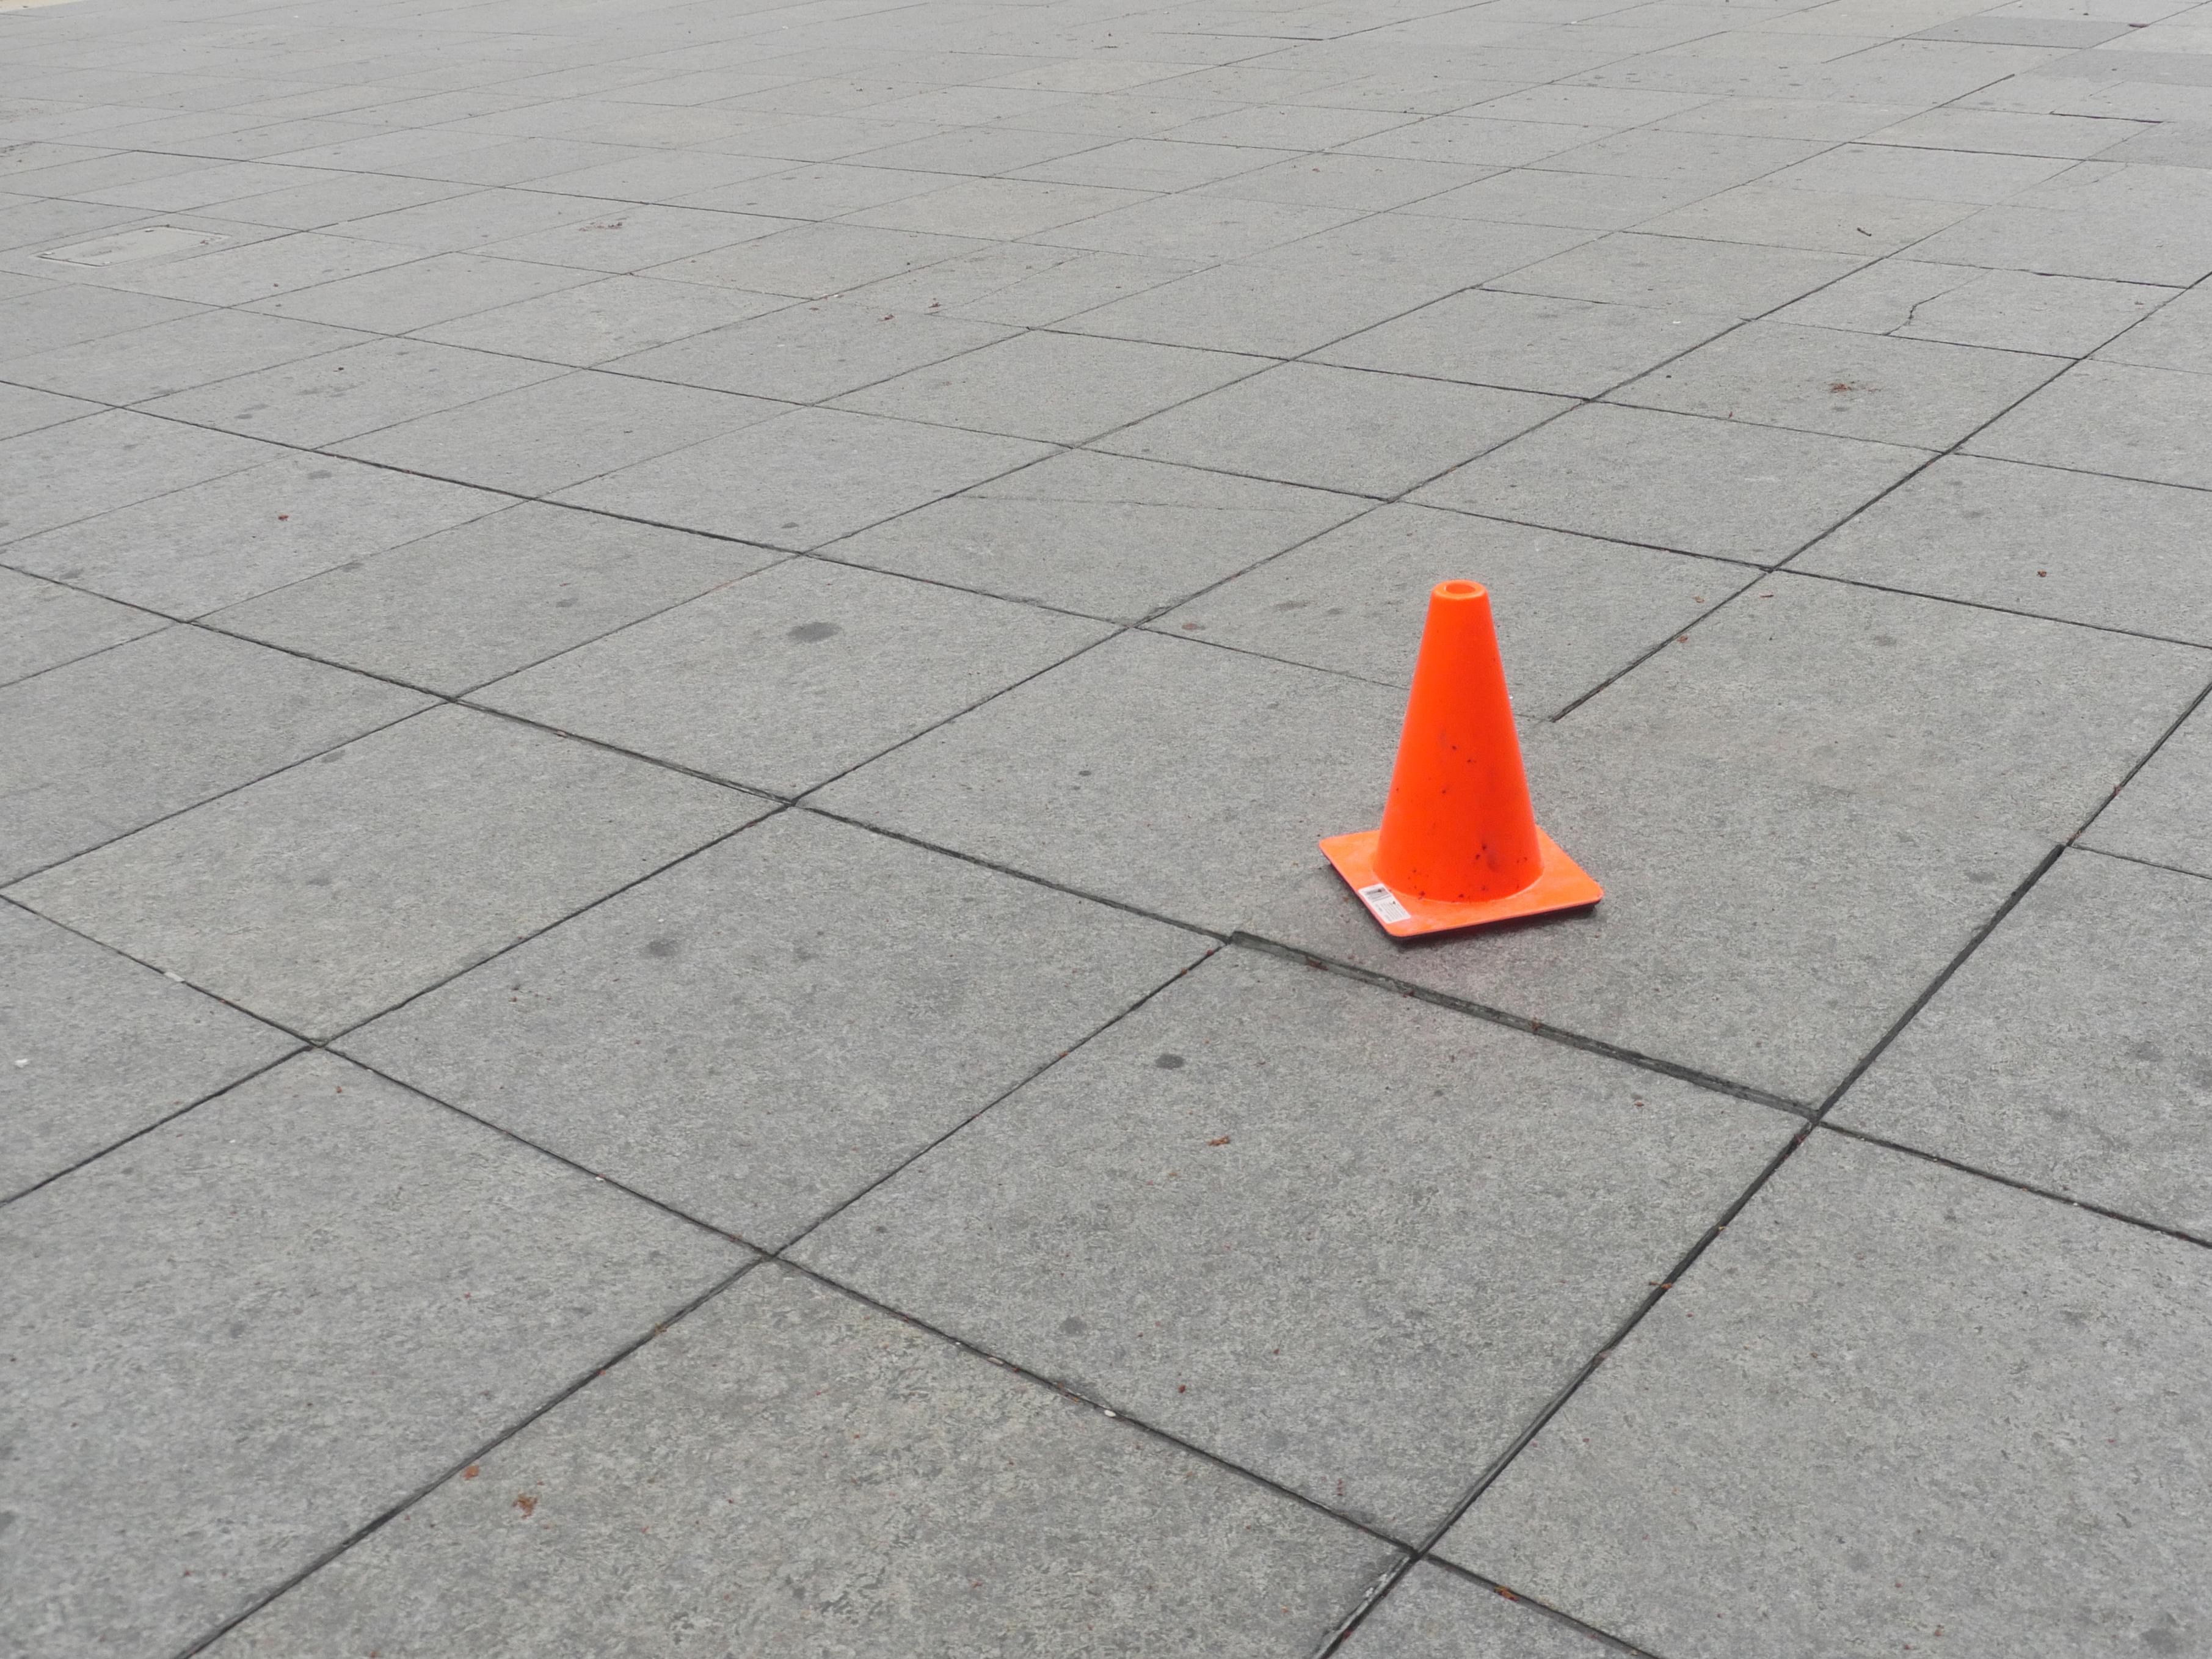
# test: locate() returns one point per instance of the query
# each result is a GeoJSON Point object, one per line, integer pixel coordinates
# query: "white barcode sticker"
{"type": "Point", "coordinates": [1384, 903]}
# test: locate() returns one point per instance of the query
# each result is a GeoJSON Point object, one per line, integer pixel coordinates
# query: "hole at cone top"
{"type": "Point", "coordinates": [1458, 590]}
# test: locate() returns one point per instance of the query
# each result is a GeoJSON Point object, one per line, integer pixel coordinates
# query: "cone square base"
{"type": "Point", "coordinates": [1561, 885]}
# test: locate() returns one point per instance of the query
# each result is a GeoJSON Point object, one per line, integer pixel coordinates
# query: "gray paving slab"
{"type": "Point", "coordinates": [1690, 483]}
{"type": "Point", "coordinates": [266, 1323]}
{"type": "Point", "coordinates": [43, 625]}
{"type": "Point", "coordinates": [271, 269]}
{"type": "Point", "coordinates": [1089, 775]}
{"type": "Point", "coordinates": [806, 352]}
{"type": "Point", "coordinates": [1336, 428]}
{"type": "Point", "coordinates": [177, 355]}
{"type": "Point", "coordinates": [2109, 551]}
{"type": "Point", "coordinates": [1681, 273]}
{"type": "Point", "coordinates": [68, 314]}
{"type": "Point", "coordinates": [98, 747]}
{"type": "Point", "coordinates": [320, 400]}
{"type": "Point", "coordinates": [546, 436]}
{"type": "Point", "coordinates": [98, 1047]}
{"type": "Point", "coordinates": [1062, 388]}
{"type": "Point", "coordinates": [847, 1000]}
{"type": "Point", "coordinates": [2067, 1053]}
{"type": "Point", "coordinates": [1572, 347]}
{"type": "Point", "coordinates": [211, 545]}
{"type": "Point", "coordinates": [602, 320]}
{"type": "Point", "coordinates": [1100, 534]}
{"type": "Point", "coordinates": [816, 261]}
{"type": "Point", "coordinates": [2160, 815]}
{"type": "Point", "coordinates": [918, 1493]}
{"type": "Point", "coordinates": [1979, 1424]}
{"type": "Point", "coordinates": [328, 892]}
{"type": "Point", "coordinates": [56, 475]}
{"type": "Point", "coordinates": [468, 221]}
{"type": "Point", "coordinates": [1799, 811]}
{"type": "Point", "coordinates": [1847, 384]}
{"type": "Point", "coordinates": [23, 409]}
{"type": "Point", "coordinates": [2011, 310]}
{"type": "Point", "coordinates": [2179, 336]}
{"type": "Point", "coordinates": [1434, 1612]}
{"type": "Point", "coordinates": [422, 291]}
{"type": "Point", "coordinates": [1571, 611]}
{"type": "Point", "coordinates": [804, 478]}
{"type": "Point", "coordinates": [1771, 214]}
{"type": "Point", "coordinates": [455, 610]}
{"type": "Point", "coordinates": [785, 679]}
{"type": "Point", "coordinates": [1140, 1225]}
{"type": "Point", "coordinates": [2114, 418]}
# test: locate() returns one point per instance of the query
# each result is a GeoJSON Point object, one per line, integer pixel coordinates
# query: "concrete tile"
{"type": "Point", "coordinates": [56, 475]}
{"type": "Point", "coordinates": [1683, 482]}
{"type": "Point", "coordinates": [804, 478]}
{"type": "Point", "coordinates": [994, 207]}
{"type": "Point", "coordinates": [43, 625]}
{"type": "Point", "coordinates": [602, 320]}
{"type": "Point", "coordinates": [1846, 384]}
{"type": "Point", "coordinates": [1156, 163]}
{"type": "Point", "coordinates": [1092, 775]}
{"type": "Point", "coordinates": [1295, 298]}
{"type": "Point", "coordinates": [1800, 814]}
{"type": "Point", "coordinates": [214, 543]}
{"type": "Point", "coordinates": [1934, 175]}
{"type": "Point", "coordinates": [424, 291]}
{"type": "Point", "coordinates": [1474, 141]}
{"type": "Point", "coordinates": [1587, 201]}
{"type": "Point", "coordinates": [270, 1320]}
{"type": "Point", "coordinates": [660, 175]}
{"type": "Point", "coordinates": [746, 683]}
{"type": "Point", "coordinates": [1062, 388]}
{"type": "Point", "coordinates": [1771, 214]}
{"type": "Point", "coordinates": [545, 437]}
{"type": "Point", "coordinates": [1571, 612]}
{"type": "Point", "coordinates": [1785, 116]}
{"type": "Point", "coordinates": [324, 202]}
{"type": "Point", "coordinates": [1716, 159]}
{"type": "Point", "coordinates": [634, 239]}
{"type": "Point", "coordinates": [177, 355]}
{"type": "Point", "coordinates": [2107, 551]}
{"type": "Point", "coordinates": [466, 223]}
{"type": "Point", "coordinates": [963, 985]}
{"type": "Point", "coordinates": [1006, 1507]}
{"type": "Point", "coordinates": [323, 399]}
{"type": "Point", "coordinates": [1026, 285]}
{"type": "Point", "coordinates": [1365, 182]}
{"type": "Point", "coordinates": [805, 353]}
{"type": "Point", "coordinates": [1138, 1223]}
{"type": "Point", "coordinates": [1198, 227]}
{"type": "Point", "coordinates": [1677, 273]}
{"type": "Point", "coordinates": [326, 893]}
{"type": "Point", "coordinates": [2004, 131]}
{"type": "Point", "coordinates": [828, 190]}
{"type": "Point", "coordinates": [104, 744]}
{"type": "Point", "coordinates": [1435, 1614]}
{"type": "Point", "coordinates": [2179, 336]}
{"type": "Point", "coordinates": [2113, 418]}
{"type": "Point", "coordinates": [2160, 815]}
{"type": "Point", "coordinates": [98, 1047]}
{"type": "Point", "coordinates": [2009, 310]}
{"type": "Point", "coordinates": [1099, 534]}
{"type": "Point", "coordinates": [815, 261]}
{"type": "Point", "coordinates": [2067, 1052]}
{"type": "Point", "coordinates": [27, 223]}
{"type": "Point", "coordinates": [1943, 1405]}
{"type": "Point", "coordinates": [2123, 246]}
{"type": "Point", "coordinates": [470, 604]}
{"type": "Point", "coordinates": [1527, 341]}
{"type": "Point", "coordinates": [272, 269]}
{"type": "Point", "coordinates": [1336, 428]}
{"type": "Point", "coordinates": [69, 314]}
{"type": "Point", "coordinates": [23, 409]}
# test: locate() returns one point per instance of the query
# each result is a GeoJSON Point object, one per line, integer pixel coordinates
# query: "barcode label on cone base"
{"type": "Point", "coordinates": [1384, 903]}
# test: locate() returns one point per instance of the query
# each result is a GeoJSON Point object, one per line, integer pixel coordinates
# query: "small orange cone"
{"type": "Point", "coordinates": [1459, 845]}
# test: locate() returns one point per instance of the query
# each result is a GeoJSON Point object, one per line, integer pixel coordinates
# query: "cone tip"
{"type": "Point", "coordinates": [1458, 590]}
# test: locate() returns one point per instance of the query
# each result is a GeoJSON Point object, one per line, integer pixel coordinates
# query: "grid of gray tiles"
{"type": "Point", "coordinates": [667, 675]}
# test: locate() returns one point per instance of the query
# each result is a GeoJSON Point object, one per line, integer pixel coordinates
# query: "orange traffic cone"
{"type": "Point", "coordinates": [1459, 845]}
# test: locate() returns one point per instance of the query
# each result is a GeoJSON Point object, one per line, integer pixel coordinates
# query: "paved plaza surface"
{"type": "Point", "coordinates": [668, 674]}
